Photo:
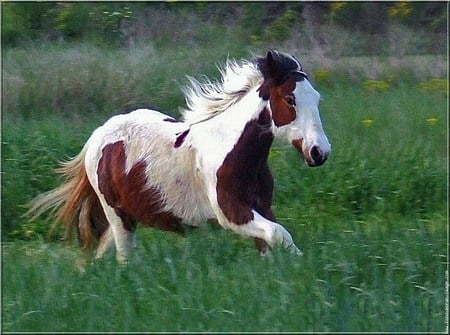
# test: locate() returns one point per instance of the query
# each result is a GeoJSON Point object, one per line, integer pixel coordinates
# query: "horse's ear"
{"type": "Point", "coordinates": [272, 60]}
{"type": "Point", "coordinates": [269, 58]}
{"type": "Point", "coordinates": [267, 65]}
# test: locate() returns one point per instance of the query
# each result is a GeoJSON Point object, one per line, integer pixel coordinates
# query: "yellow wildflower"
{"type": "Point", "coordinates": [431, 121]}
{"type": "Point", "coordinates": [401, 8]}
{"type": "Point", "coordinates": [337, 6]}
{"type": "Point", "coordinates": [368, 122]}
{"type": "Point", "coordinates": [321, 75]}
{"type": "Point", "coordinates": [435, 85]}
{"type": "Point", "coordinates": [372, 85]}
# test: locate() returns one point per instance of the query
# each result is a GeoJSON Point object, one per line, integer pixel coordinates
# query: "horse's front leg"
{"type": "Point", "coordinates": [264, 231]}
{"type": "Point", "coordinates": [270, 232]}
{"type": "Point", "coordinates": [234, 213]}
{"type": "Point", "coordinates": [260, 244]}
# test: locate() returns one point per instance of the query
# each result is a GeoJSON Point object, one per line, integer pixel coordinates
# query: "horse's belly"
{"type": "Point", "coordinates": [185, 195]}
{"type": "Point", "coordinates": [189, 205]}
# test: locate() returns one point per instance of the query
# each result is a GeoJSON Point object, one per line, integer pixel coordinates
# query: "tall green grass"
{"type": "Point", "coordinates": [355, 276]}
{"type": "Point", "coordinates": [372, 222]}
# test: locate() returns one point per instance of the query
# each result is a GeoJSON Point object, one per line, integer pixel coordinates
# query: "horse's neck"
{"type": "Point", "coordinates": [246, 109]}
{"type": "Point", "coordinates": [220, 134]}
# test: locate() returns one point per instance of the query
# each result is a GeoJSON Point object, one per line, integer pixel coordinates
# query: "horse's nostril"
{"type": "Point", "coordinates": [316, 155]}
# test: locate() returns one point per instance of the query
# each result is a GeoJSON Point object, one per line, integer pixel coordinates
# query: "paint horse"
{"type": "Point", "coordinates": [147, 167]}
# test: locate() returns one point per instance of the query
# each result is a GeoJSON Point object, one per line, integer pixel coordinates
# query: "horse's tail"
{"type": "Point", "coordinates": [74, 204]}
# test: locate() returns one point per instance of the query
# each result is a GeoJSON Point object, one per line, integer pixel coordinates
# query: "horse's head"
{"type": "Point", "coordinates": [294, 106]}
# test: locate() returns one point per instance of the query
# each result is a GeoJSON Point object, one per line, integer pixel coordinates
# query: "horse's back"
{"type": "Point", "coordinates": [143, 122]}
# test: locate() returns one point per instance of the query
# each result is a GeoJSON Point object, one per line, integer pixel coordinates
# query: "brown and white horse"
{"type": "Point", "coordinates": [147, 167]}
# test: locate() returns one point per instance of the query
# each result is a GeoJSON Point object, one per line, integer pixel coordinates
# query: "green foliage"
{"type": "Point", "coordinates": [72, 19]}
{"type": "Point", "coordinates": [112, 23]}
{"type": "Point", "coordinates": [22, 21]}
{"type": "Point", "coordinates": [14, 26]}
{"type": "Point", "coordinates": [428, 15]}
{"type": "Point", "coordinates": [272, 22]}
{"type": "Point", "coordinates": [74, 79]}
{"type": "Point", "coordinates": [368, 17]}
{"type": "Point", "coordinates": [380, 168]}
{"type": "Point", "coordinates": [252, 21]}
{"type": "Point", "coordinates": [281, 28]}
{"type": "Point", "coordinates": [372, 85]}
{"type": "Point", "coordinates": [100, 22]}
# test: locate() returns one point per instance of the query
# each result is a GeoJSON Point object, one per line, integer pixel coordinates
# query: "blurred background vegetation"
{"type": "Point", "coordinates": [123, 24]}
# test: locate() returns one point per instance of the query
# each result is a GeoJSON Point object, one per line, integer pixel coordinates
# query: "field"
{"type": "Point", "coordinates": [372, 222]}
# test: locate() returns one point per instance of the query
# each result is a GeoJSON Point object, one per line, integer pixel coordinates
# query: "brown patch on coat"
{"type": "Point", "coordinates": [298, 144]}
{"type": "Point", "coordinates": [282, 112]}
{"type": "Point", "coordinates": [170, 119]}
{"type": "Point", "coordinates": [181, 137]}
{"type": "Point", "coordinates": [129, 194]}
{"type": "Point", "coordinates": [244, 181]}
{"type": "Point", "coordinates": [281, 73]}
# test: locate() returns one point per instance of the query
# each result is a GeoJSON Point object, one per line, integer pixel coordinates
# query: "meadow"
{"type": "Point", "coordinates": [371, 222]}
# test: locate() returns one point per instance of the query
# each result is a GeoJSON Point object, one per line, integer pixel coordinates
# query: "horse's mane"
{"type": "Point", "coordinates": [206, 99]}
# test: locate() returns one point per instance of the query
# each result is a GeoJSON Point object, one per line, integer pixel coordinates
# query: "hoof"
{"type": "Point", "coordinates": [296, 251]}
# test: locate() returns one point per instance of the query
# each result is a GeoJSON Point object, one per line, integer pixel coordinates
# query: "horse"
{"type": "Point", "coordinates": [212, 165]}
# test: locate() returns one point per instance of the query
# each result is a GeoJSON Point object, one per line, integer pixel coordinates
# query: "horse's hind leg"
{"type": "Point", "coordinates": [117, 232]}
{"type": "Point", "coordinates": [106, 241]}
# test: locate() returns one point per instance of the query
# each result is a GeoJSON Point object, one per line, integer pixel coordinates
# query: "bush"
{"type": "Point", "coordinates": [112, 23]}
{"type": "Point", "coordinates": [23, 21]}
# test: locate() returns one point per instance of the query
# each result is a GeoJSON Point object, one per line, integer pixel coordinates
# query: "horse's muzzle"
{"type": "Point", "coordinates": [313, 156]}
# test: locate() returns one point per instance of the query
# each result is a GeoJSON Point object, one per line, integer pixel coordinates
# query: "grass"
{"type": "Point", "coordinates": [355, 276]}
{"type": "Point", "coordinates": [372, 222]}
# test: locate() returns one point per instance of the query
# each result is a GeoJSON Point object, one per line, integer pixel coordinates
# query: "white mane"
{"type": "Point", "coordinates": [204, 100]}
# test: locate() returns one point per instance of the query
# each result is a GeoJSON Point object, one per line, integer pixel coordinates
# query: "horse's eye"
{"type": "Point", "coordinates": [290, 99]}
